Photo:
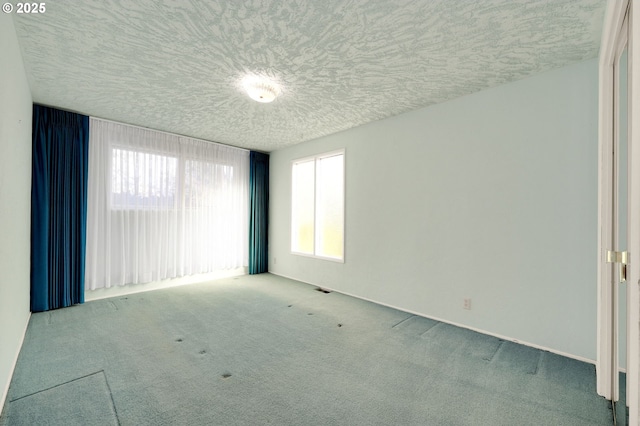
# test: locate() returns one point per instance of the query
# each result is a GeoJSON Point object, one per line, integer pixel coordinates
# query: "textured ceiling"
{"type": "Point", "coordinates": [174, 65]}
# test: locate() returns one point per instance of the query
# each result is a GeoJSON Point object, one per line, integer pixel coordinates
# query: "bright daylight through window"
{"type": "Point", "coordinates": [142, 180]}
{"type": "Point", "coordinates": [317, 206]}
{"type": "Point", "coordinates": [163, 206]}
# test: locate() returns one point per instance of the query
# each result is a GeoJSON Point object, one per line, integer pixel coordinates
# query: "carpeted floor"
{"type": "Point", "coordinates": [264, 350]}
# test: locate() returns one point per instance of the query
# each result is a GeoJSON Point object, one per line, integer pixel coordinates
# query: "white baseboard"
{"type": "Point", "coordinates": [103, 293]}
{"type": "Point", "coordinates": [5, 391]}
{"type": "Point", "coordinates": [488, 333]}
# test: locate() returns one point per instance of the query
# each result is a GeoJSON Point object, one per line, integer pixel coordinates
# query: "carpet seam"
{"type": "Point", "coordinates": [496, 351]}
{"type": "Point", "coordinates": [113, 403]}
{"type": "Point", "coordinates": [430, 328]}
{"type": "Point", "coordinates": [58, 385]}
{"type": "Point", "coordinates": [535, 371]}
{"type": "Point", "coordinates": [406, 319]}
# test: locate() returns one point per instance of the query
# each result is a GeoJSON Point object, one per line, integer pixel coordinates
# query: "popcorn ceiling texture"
{"type": "Point", "coordinates": [175, 65]}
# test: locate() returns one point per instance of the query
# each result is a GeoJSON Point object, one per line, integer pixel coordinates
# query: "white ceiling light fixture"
{"type": "Point", "coordinates": [260, 88]}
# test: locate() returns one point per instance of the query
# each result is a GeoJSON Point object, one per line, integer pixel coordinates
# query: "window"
{"type": "Point", "coordinates": [317, 206]}
{"type": "Point", "coordinates": [142, 180]}
{"type": "Point", "coordinates": [207, 183]}
{"type": "Point", "coordinates": [162, 206]}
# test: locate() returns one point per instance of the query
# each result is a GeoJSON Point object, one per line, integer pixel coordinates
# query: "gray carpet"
{"type": "Point", "coordinates": [263, 350]}
{"type": "Point", "coordinates": [86, 400]}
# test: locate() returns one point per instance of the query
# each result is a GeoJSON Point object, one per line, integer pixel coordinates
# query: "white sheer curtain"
{"type": "Point", "coordinates": [162, 206]}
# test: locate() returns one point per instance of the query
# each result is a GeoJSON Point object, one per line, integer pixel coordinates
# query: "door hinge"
{"type": "Point", "coordinates": [617, 257]}
{"type": "Point", "coordinates": [622, 259]}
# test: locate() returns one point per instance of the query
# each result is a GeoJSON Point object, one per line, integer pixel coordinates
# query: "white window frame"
{"type": "Point", "coordinates": [315, 158]}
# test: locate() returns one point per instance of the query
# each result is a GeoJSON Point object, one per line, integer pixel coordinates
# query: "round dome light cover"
{"type": "Point", "coordinates": [260, 89]}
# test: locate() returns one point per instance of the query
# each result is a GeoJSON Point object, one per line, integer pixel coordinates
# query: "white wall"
{"type": "Point", "coordinates": [492, 196]}
{"type": "Point", "coordinates": [15, 200]}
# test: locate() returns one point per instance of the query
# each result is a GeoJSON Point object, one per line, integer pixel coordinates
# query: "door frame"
{"type": "Point", "coordinates": [607, 339]}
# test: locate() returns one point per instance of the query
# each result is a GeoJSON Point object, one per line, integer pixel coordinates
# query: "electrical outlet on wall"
{"type": "Point", "coordinates": [466, 304]}
{"type": "Point", "coordinates": [275, 260]}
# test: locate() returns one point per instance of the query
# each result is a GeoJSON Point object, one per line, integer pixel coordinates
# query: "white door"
{"type": "Point", "coordinates": [618, 256]}
{"type": "Point", "coordinates": [619, 213]}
